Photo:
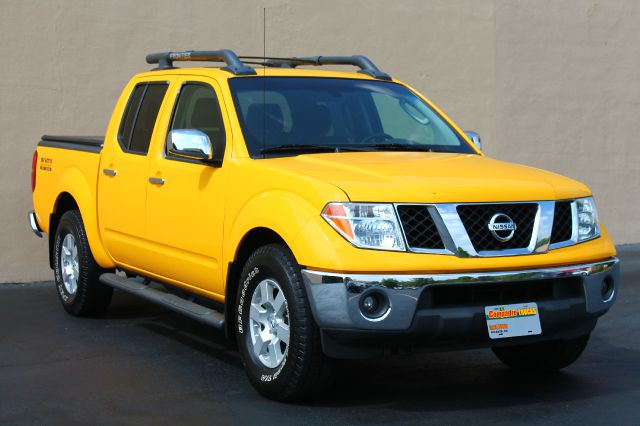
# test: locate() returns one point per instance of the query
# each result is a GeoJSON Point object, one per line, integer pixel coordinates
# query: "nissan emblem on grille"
{"type": "Point", "coordinates": [502, 227]}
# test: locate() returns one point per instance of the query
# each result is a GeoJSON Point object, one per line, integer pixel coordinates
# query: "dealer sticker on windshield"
{"type": "Point", "coordinates": [512, 320]}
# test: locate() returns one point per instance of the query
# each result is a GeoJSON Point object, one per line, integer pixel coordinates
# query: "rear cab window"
{"type": "Point", "coordinates": [140, 117]}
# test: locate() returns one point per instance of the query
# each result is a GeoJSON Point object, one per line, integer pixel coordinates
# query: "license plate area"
{"type": "Point", "coordinates": [520, 319]}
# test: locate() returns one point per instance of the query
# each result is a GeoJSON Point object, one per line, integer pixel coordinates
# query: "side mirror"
{"type": "Point", "coordinates": [475, 138]}
{"type": "Point", "coordinates": [190, 143]}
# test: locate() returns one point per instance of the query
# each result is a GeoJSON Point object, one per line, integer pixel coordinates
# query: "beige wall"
{"type": "Point", "coordinates": [554, 84]}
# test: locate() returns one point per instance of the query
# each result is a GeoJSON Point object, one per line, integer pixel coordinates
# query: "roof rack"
{"type": "Point", "coordinates": [234, 64]}
{"type": "Point", "coordinates": [365, 64]}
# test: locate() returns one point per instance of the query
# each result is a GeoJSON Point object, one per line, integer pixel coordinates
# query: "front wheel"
{"type": "Point", "coordinates": [542, 356]}
{"type": "Point", "coordinates": [278, 339]}
{"type": "Point", "coordinates": [75, 270]}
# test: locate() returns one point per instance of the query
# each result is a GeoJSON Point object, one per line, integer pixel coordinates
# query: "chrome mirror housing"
{"type": "Point", "coordinates": [190, 143]}
{"type": "Point", "coordinates": [475, 138]}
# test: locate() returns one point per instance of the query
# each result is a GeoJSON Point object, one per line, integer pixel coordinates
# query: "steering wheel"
{"type": "Point", "coordinates": [382, 136]}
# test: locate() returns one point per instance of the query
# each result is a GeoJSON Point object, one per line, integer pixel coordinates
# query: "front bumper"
{"type": "Point", "coordinates": [423, 309]}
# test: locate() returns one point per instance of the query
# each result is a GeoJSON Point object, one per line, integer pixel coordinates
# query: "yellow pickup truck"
{"type": "Point", "coordinates": [315, 215]}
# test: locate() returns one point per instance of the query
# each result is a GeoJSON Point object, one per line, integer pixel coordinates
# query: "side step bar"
{"type": "Point", "coordinates": [138, 287]}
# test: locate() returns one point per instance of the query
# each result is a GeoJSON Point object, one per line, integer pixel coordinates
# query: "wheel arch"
{"type": "Point", "coordinates": [63, 204]}
{"type": "Point", "coordinates": [66, 201]}
{"type": "Point", "coordinates": [251, 241]}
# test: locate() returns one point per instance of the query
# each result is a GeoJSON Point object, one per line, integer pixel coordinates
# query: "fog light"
{"type": "Point", "coordinates": [374, 305]}
{"type": "Point", "coordinates": [369, 304]}
{"type": "Point", "coordinates": [607, 289]}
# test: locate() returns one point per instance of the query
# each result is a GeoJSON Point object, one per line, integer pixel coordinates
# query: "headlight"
{"type": "Point", "coordinates": [588, 227]}
{"type": "Point", "coordinates": [373, 226]}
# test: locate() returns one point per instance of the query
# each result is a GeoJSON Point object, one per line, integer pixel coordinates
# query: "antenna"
{"type": "Point", "coordinates": [264, 78]}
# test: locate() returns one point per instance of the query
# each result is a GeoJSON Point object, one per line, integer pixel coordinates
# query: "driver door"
{"type": "Point", "coordinates": [186, 198]}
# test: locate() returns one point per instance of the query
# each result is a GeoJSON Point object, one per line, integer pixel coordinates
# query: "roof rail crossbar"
{"type": "Point", "coordinates": [234, 64]}
{"type": "Point", "coordinates": [365, 64]}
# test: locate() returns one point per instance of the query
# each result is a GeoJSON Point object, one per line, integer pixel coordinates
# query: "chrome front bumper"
{"type": "Point", "coordinates": [335, 298]}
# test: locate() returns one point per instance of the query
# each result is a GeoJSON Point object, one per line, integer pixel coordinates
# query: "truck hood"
{"type": "Point", "coordinates": [431, 177]}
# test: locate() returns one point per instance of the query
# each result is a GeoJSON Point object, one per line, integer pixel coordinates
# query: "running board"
{"type": "Point", "coordinates": [138, 287]}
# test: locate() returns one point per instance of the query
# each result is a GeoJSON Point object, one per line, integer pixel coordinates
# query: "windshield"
{"type": "Point", "coordinates": [293, 115]}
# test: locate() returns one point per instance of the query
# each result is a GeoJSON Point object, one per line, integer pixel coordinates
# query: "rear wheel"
{"type": "Point", "coordinates": [75, 270]}
{"type": "Point", "coordinates": [542, 356]}
{"type": "Point", "coordinates": [277, 337]}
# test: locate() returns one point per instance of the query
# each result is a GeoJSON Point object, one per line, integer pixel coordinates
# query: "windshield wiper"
{"type": "Point", "coordinates": [399, 147]}
{"type": "Point", "coordinates": [307, 148]}
{"type": "Point", "coordinates": [337, 148]}
{"type": "Point", "coordinates": [298, 148]}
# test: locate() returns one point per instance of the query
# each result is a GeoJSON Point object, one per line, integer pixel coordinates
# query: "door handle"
{"type": "Point", "coordinates": [156, 181]}
{"type": "Point", "coordinates": [109, 172]}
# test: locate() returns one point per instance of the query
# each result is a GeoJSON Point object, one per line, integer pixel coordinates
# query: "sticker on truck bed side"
{"type": "Point", "coordinates": [46, 164]}
{"type": "Point", "coordinates": [520, 319]}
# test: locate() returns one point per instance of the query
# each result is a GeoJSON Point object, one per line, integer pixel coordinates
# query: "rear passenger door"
{"type": "Point", "coordinates": [185, 207]}
{"type": "Point", "coordinates": [123, 179]}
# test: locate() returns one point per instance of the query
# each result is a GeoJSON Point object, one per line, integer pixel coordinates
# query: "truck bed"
{"type": "Point", "coordinates": [67, 164]}
{"type": "Point", "coordinates": [78, 143]}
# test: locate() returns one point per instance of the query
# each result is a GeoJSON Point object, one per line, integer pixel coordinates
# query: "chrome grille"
{"type": "Point", "coordinates": [476, 217]}
{"type": "Point", "coordinates": [464, 229]}
{"type": "Point", "coordinates": [419, 227]}
{"type": "Point", "coordinates": [562, 222]}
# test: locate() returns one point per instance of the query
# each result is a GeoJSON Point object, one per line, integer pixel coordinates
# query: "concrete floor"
{"type": "Point", "coordinates": [142, 364]}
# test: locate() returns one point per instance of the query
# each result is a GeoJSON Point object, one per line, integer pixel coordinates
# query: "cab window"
{"type": "Point", "coordinates": [197, 108]}
{"type": "Point", "coordinates": [140, 117]}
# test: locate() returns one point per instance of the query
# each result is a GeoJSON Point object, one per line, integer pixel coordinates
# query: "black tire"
{"type": "Point", "coordinates": [305, 370]}
{"type": "Point", "coordinates": [91, 297]}
{"type": "Point", "coordinates": [542, 356]}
